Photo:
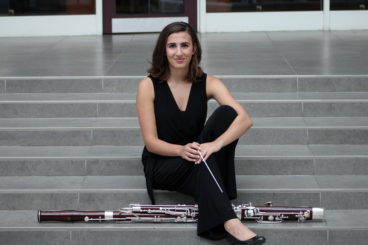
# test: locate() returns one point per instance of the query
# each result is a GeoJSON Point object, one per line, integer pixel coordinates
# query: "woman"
{"type": "Point", "coordinates": [172, 109]}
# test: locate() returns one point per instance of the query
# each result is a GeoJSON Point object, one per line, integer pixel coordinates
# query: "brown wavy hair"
{"type": "Point", "coordinates": [160, 66]}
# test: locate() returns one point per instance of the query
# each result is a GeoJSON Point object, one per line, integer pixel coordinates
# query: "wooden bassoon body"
{"type": "Point", "coordinates": [182, 214]}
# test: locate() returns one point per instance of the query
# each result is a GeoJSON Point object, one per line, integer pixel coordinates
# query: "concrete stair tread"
{"type": "Point", "coordinates": [46, 123]}
{"type": "Point", "coordinates": [125, 131]}
{"type": "Point", "coordinates": [254, 83]}
{"type": "Point", "coordinates": [130, 97]}
{"type": "Point", "coordinates": [21, 227]}
{"type": "Point", "coordinates": [302, 96]}
{"type": "Point", "coordinates": [66, 97]}
{"type": "Point", "coordinates": [75, 152]}
{"type": "Point", "coordinates": [245, 183]}
{"type": "Point", "coordinates": [334, 219]}
{"type": "Point", "coordinates": [132, 122]}
{"type": "Point", "coordinates": [243, 151]}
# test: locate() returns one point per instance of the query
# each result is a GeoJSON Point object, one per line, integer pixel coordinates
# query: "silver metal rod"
{"type": "Point", "coordinates": [209, 170]}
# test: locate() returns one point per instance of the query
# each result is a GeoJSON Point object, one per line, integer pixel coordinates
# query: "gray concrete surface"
{"type": "Point", "coordinates": [253, 53]}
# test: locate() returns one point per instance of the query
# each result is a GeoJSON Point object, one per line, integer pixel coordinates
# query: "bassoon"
{"type": "Point", "coordinates": [182, 214]}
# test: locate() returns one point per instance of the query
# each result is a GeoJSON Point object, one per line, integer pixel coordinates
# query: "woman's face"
{"type": "Point", "coordinates": [179, 50]}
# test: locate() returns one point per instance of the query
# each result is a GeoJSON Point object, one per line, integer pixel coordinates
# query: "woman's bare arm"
{"type": "Point", "coordinates": [217, 90]}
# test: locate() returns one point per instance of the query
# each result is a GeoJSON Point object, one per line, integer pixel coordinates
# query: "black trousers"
{"type": "Point", "coordinates": [177, 174]}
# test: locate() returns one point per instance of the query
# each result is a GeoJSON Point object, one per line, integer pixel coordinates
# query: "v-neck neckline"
{"type": "Point", "coordinates": [173, 97]}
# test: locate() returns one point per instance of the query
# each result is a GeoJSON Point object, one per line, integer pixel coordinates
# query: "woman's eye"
{"type": "Point", "coordinates": [172, 45]}
{"type": "Point", "coordinates": [185, 45]}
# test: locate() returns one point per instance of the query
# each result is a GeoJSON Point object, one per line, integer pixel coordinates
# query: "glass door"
{"type": "Point", "coordinates": [134, 16]}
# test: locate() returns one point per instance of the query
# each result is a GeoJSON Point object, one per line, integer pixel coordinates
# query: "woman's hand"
{"type": "Point", "coordinates": [207, 149]}
{"type": "Point", "coordinates": [190, 153]}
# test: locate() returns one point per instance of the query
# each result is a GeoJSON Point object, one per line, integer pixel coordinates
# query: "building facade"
{"type": "Point", "coordinates": [95, 17]}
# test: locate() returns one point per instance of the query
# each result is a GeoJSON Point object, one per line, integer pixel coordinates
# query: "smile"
{"type": "Point", "coordinates": [180, 60]}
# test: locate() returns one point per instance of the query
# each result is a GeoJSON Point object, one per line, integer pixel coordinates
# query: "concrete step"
{"type": "Point", "coordinates": [65, 84]}
{"type": "Point", "coordinates": [127, 97]}
{"type": "Point", "coordinates": [21, 227]}
{"type": "Point", "coordinates": [296, 83]}
{"type": "Point", "coordinates": [98, 192]}
{"type": "Point", "coordinates": [128, 84]}
{"type": "Point", "coordinates": [123, 105]}
{"type": "Point", "coordinates": [132, 122]}
{"type": "Point", "coordinates": [123, 131]}
{"type": "Point", "coordinates": [132, 136]}
{"type": "Point", "coordinates": [125, 160]}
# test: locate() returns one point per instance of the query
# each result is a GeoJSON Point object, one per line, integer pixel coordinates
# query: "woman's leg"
{"type": "Point", "coordinates": [223, 161]}
{"type": "Point", "coordinates": [216, 216]}
{"type": "Point", "coordinates": [172, 173]}
{"type": "Point", "coordinates": [217, 124]}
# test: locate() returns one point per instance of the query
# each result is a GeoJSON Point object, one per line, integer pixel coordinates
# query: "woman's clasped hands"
{"type": "Point", "coordinates": [193, 152]}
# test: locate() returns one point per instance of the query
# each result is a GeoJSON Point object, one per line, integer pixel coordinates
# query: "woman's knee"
{"type": "Point", "coordinates": [217, 123]}
{"type": "Point", "coordinates": [224, 112]}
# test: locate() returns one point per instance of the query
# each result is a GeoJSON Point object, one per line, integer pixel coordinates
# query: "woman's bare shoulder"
{"type": "Point", "coordinates": [213, 82]}
{"type": "Point", "coordinates": [145, 82]}
{"type": "Point", "coordinates": [145, 87]}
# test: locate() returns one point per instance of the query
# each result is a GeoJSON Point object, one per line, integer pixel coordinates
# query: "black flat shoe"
{"type": "Point", "coordinates": [257, 240]}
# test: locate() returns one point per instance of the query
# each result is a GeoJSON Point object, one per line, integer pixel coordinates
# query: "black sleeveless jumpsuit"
{"type": "Point", "coordinates": [176, 174]}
